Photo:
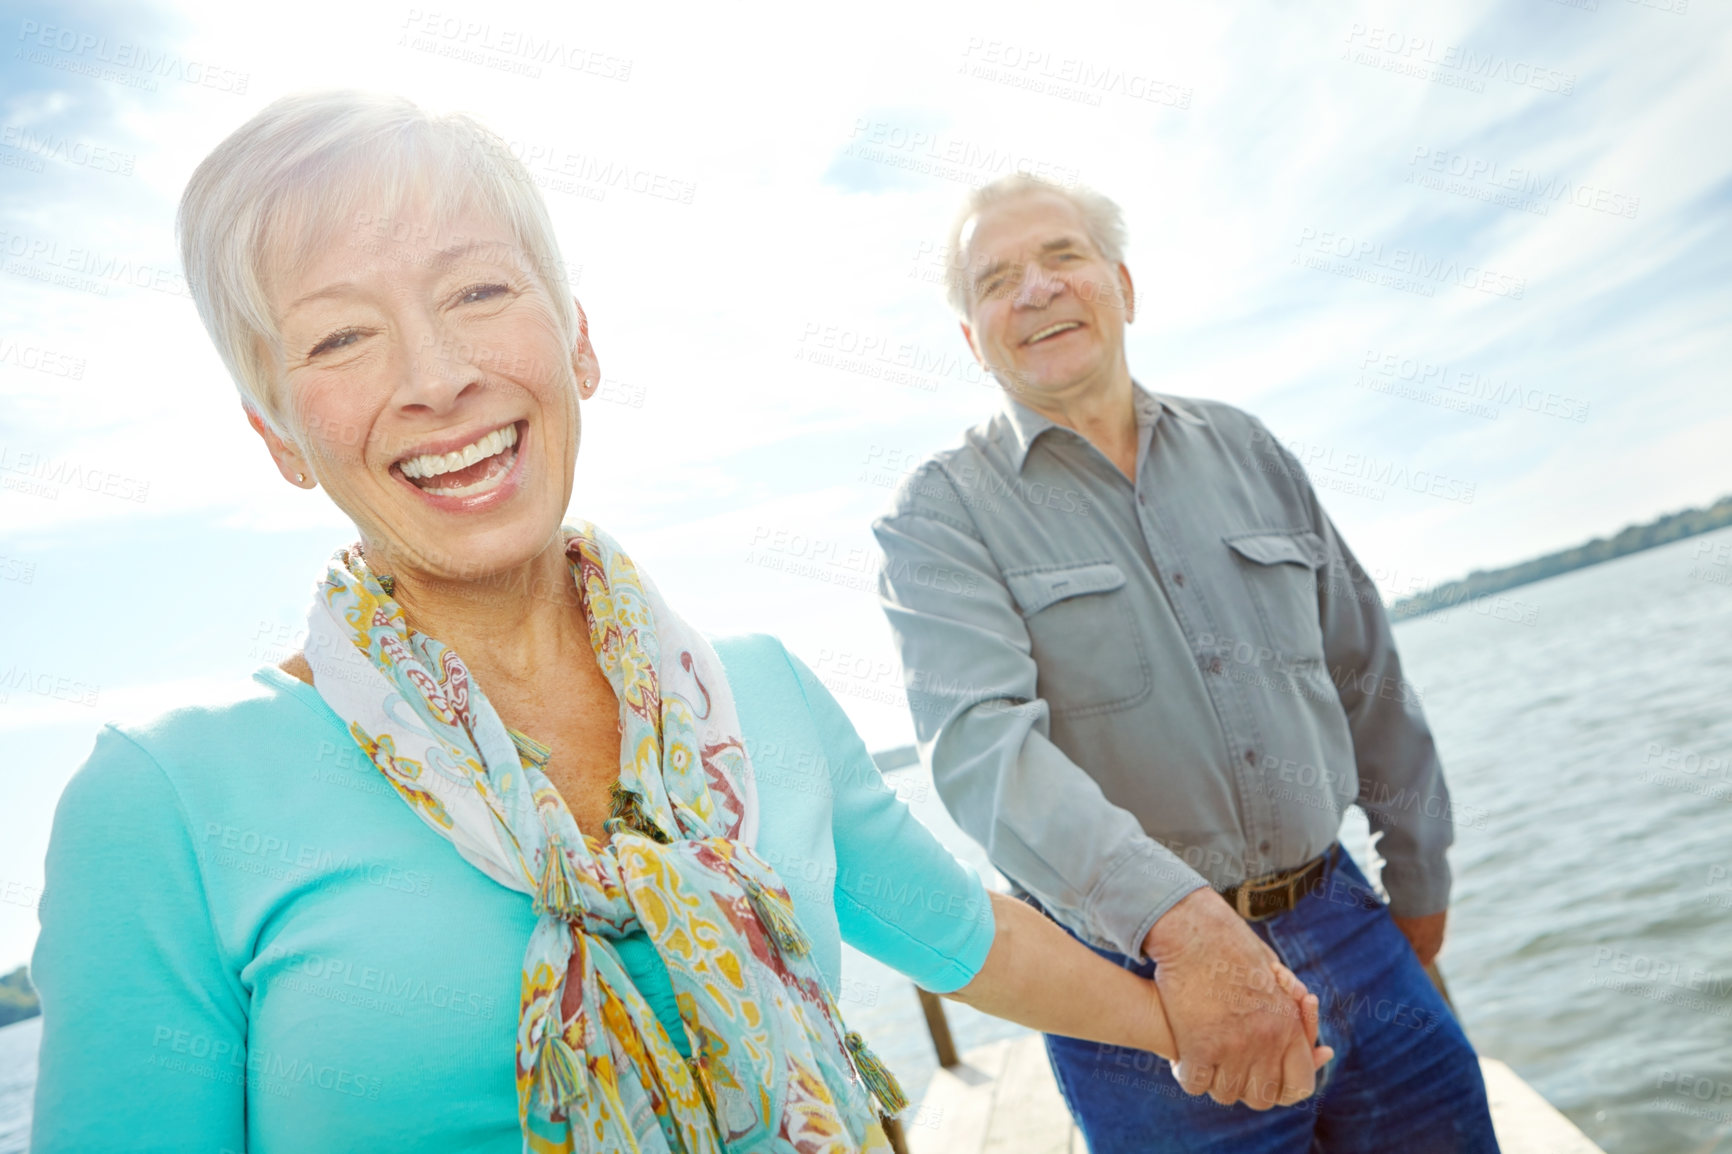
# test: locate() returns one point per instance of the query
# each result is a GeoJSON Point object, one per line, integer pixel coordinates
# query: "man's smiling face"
{"type": "Point", "coordinates": [1047, 312]}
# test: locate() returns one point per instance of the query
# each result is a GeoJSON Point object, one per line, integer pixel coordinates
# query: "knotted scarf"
{"type": "Point", "coordinates": [772, 1069]}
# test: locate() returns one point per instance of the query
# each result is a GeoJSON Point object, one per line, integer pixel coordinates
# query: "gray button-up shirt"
{"type": "Point", "coordinates": [1127, 691]}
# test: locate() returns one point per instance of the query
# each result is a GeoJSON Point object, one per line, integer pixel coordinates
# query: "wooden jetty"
{"type": "Point", "coordinates": [1002, 1099]}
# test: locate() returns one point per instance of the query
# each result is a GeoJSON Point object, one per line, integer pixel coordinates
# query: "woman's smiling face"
{"type": "Point", "coordinates": [431, 390]}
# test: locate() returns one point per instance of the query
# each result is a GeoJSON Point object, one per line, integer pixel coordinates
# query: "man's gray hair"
{"type": "Point", "coordinates": [313, 166]}
{"type": "Point", "coordinates": [1103, 219]}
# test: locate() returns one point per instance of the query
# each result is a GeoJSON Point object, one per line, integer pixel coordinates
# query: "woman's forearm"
{"type": "Point", "coordinates": [1039, 976]}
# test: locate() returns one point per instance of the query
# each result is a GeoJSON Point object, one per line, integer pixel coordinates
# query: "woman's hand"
{"type": "Point", "coordinates": [1039, 976]}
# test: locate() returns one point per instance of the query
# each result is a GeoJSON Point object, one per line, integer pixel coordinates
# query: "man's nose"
{"type": "Point", "coordinates": [1038, 288]}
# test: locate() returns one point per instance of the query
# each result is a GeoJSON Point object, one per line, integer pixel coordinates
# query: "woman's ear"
{"type": "Point", "coordinates": [583, 359]}
{"type": "Point", "coordinates": [290, 463]}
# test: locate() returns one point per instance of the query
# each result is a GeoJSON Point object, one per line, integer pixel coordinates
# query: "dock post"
{"type": "Point", "coordinates": [939, 1028]}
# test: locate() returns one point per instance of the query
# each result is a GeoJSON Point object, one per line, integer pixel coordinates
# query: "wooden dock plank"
{"type": "Point", "coordinates": [1029, 1115]}
{"type": "Point", "coordinates": [957, 1112]}
{"type": "Point", "coordinates": [1525, 1122]}
{"type": "Point", "coordinates": [1003, 1100]}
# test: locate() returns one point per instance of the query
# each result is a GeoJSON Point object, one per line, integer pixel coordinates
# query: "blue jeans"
{"type": "Point", "coordinates": [1404, 1077]}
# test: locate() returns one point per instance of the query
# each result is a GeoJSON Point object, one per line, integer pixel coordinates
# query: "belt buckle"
{"type": "Point", "coordinates": [1242, 899]}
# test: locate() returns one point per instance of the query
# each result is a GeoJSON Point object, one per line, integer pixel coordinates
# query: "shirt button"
{"type": "Point", "coordinates": [1263, 847]}
{"type": "Point", "coordinates": [1250, 757]}
{"type": "Point", "coordinates": [1178, 578]}
{"type": "Point", "coordinates": [1215, 665]}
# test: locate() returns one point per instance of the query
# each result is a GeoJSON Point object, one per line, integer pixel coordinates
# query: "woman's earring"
{"type": "Point", "coordinates": [300, 478]}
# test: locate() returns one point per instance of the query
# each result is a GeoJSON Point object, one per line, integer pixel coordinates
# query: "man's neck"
{"type": "Point", "coordinates": [1101, 410]}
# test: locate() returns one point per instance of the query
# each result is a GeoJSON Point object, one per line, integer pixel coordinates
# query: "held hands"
{"type": "Point", "coordinates": [1244, 1025]}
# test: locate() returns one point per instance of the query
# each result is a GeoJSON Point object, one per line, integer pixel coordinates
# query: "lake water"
{"type": "Point", "coordinates": [1586, 729]}
{"type": "Point", "coordinates": [18, 1044]}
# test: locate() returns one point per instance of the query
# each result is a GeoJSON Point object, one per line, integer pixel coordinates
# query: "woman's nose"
{"type": "Point", "coordinates": [439, 368]}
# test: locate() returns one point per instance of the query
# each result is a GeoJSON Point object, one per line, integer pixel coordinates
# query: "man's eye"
{"type": "Point", "coordinates": [336, 340]}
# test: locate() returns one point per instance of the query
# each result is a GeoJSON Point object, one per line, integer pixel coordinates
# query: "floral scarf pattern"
{"type": "Point", "coordinates": [772, 1069]}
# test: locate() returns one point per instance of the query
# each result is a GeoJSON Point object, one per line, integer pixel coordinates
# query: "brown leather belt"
{"type": "Point", "coordinates": [1277, 893]}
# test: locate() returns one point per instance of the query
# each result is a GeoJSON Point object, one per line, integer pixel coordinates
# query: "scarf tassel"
{"type": "Point", "coordinates": [557, 892]}
{"type": "Point", "coordinates": [777, 915]}
{"type": "Point", "coordinates": [557, 1071]}
{"type": "Point", "coordinates": [876, 1075]}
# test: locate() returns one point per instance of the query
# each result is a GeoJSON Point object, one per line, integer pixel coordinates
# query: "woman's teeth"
{"type": "Point", "coordinates": [474, 468]}
{"type": "Point", "coordinates": [433, 464]}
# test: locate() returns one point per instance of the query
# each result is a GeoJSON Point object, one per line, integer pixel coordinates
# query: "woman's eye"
{"type": "Point", "coordinates": [336, 340]}
{"type": "Point", "coordinates": [480, 292]}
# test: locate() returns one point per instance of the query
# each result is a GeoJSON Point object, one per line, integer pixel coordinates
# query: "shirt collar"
{"type": "Point", "coordinates": [1023, 426]}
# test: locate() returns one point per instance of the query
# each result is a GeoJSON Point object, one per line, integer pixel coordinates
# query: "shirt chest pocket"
{"type": "Point", "coordinates": [1280, 574]}
{"type": "Point", "coordinates": [1083, 637]}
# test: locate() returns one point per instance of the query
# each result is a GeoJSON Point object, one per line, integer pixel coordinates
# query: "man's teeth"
{"type": "Point", "coordinates": [1051, 329]}
{"type": "Point", "coordinates": [433, 464]}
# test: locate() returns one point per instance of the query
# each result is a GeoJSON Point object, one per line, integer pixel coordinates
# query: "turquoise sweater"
{"type": "Point", "coordinates": [250, 943]}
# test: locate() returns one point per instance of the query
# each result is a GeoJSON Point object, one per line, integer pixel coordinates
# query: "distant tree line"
{"type": "Point", "coordinates": [1479, 583]}
{"type": "Point", "coordinates": [17, 997]}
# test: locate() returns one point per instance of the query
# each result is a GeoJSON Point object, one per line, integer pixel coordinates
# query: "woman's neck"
{"type": "Point", "coordinates": [508, 627]}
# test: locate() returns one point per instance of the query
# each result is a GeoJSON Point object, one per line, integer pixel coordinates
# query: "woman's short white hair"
{"type": "Point", "coordinates": [1103, 219]}
{"type": "Point", "coordinates": [289, 181]}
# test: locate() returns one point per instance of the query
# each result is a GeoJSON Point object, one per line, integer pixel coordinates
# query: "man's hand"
{"type": "Point", "coordinates": [1424, 934]}
{"type": "Point", "coordinates": [1235, 1011]}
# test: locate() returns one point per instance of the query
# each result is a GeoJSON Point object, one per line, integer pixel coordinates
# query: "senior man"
{"type": "Point", "coordinates": [1161, 684]}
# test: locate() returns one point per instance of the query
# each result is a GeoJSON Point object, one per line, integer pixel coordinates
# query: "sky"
{"type": "Point", "coordinates": [1469, 260]}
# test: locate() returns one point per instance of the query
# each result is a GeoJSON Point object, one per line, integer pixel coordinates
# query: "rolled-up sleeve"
{"type": "Point", "coordinates": [1401, 786]}
{"type": "Point", "coordinates": [971, 681]}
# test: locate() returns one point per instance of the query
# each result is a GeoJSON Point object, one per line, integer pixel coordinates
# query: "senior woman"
{"type": "Point", "coordinates": [511, 857]}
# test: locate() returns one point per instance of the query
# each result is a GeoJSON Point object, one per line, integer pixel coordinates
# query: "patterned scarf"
{"type": "Point", "coordinates": [772, 1068]}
